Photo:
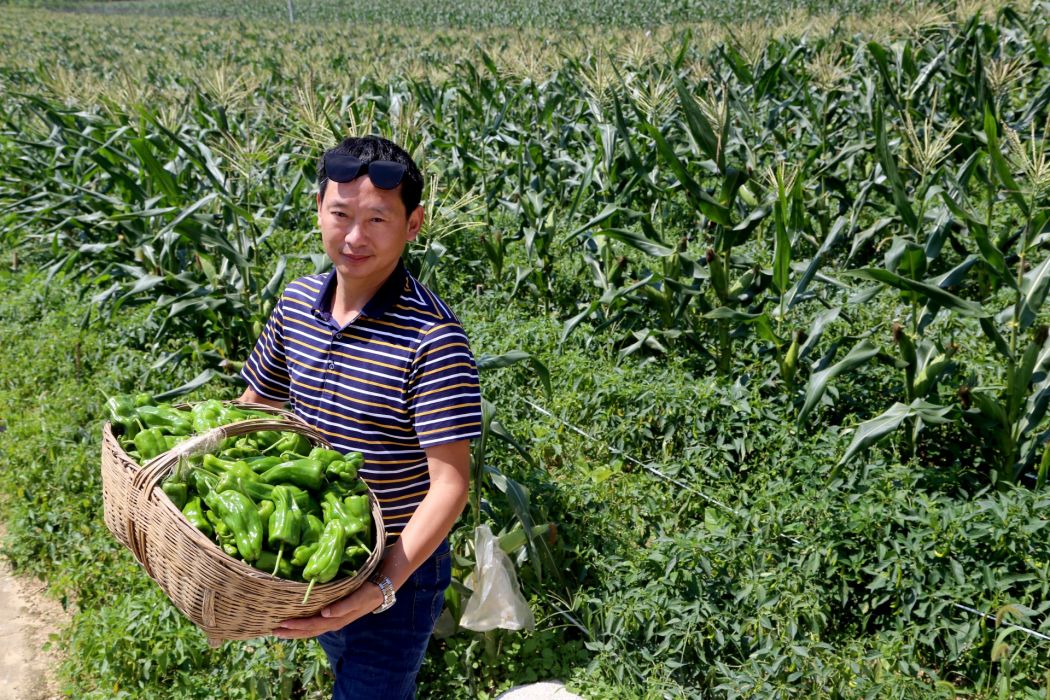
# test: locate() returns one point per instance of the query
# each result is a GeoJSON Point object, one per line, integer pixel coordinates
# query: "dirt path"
{"type": "Point", "coordinates": [27, 672]}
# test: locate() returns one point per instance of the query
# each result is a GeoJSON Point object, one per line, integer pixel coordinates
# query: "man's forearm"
{"type": "Point", "coordinates": [429, 525]}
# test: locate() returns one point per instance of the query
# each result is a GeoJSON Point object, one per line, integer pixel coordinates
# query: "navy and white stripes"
{"type": "Point", "coordinates": [398, 378]}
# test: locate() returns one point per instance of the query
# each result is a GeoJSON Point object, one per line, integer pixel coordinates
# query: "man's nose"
{"type": "Point", "coordinates": [353, 234]}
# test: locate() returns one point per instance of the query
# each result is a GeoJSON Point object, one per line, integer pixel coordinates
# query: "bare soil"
{"type": "Point", "coordinates": [27, 671]}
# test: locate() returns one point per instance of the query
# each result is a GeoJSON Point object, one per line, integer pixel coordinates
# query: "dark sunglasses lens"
{"type": "Point", "coordinates": [386, 174]}
{"type": "Point", "coordinates": [341, 168]}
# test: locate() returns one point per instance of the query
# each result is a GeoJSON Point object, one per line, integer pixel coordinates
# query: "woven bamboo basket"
{"type": "Point", "coordinates": [119, 469]}
{"type": "Point", "coordinates": [225, 597]}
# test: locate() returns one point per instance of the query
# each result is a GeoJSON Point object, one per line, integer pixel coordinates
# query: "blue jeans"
{"type": "Point", "coordinates": [378, 656]}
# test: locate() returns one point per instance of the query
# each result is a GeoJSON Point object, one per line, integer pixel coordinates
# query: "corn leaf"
{"type": "Point", "coordinates": [818, 381]}
{"type": "Point", "coordinates": [929, 293]}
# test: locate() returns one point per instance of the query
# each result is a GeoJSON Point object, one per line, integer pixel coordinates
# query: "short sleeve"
{"type": "Point", "coordinates": [444, 397]}
{"type": "Point", "coordinates": [266, 370]}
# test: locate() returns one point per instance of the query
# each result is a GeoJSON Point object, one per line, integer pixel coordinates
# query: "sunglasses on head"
{"type": "Point", "coordinates": [384, 174]}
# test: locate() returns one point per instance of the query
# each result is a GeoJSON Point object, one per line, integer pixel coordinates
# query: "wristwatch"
{"type": "Point", "coordinates": [386, 588]}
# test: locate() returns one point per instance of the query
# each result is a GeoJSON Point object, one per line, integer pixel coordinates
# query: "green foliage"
{"type": "Point", "coordinates": [780, 289]}
{"type": "Point", "coordinates": [484, 13]}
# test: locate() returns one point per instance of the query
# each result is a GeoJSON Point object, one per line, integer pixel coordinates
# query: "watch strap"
{"type": "Point", "coordinates": [386, 588]}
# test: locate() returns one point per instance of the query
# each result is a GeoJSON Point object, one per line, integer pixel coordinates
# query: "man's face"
{"type": "Point", "coordinates": [364, 229]}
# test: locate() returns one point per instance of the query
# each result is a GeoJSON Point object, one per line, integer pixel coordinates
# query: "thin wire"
{"type": "Point", "coordinates": [629, 458]}
{"type": "Point", "coordinates": [1033, 633]}
{"type": "Point", "coordinates": [647, 467]}
{"type": "Point", "coordinates": [726, 508]}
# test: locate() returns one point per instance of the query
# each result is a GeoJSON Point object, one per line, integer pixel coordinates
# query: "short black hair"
{"type": "Point", "coordinates": [370, 148]}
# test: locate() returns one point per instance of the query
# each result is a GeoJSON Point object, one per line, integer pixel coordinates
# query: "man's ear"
{"type": "Point", "coordinates": [415, 222]}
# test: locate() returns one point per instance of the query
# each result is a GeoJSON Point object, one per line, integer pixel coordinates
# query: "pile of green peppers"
{"type": "Point", "coordinates": [147, 429]}
{"type": "Point", "coordinates": [279, 504]}
{"type": "Point", "coordinates": [269, 498]}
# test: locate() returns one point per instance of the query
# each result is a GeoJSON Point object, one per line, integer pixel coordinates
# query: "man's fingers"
{"type": "Point", "coordinates": [302, 623]}
{"type": "Point", "coordinates": [308, 627]}
{"type": "Point", "coordinates": [340, 608]}
{"type": "Point", "coordinates": [285, 633]}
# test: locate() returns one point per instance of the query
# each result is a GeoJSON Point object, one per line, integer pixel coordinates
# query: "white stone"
{"type": "Point", "coordinates": [547, 690]}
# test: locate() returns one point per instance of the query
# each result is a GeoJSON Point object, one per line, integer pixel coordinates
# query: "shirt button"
{"type": "Point", "coordinates": [331, 365]}
{"type": "Point", "coordinates": [338, 336]}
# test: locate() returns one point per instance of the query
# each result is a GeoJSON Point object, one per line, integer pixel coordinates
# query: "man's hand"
{"type": "Point", "coordinates": [252, 396]}
{"type": "Point", "coordinates": [336, 616]}
{"type": "Point", "coordinates": [449, 466]}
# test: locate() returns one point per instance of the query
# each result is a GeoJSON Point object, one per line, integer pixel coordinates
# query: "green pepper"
{"type": "Point", "coordinates": [241, 516]}
{"type": "Point", "coordinates": [194, 513]}
{"type": "Point", "coordinates": [252, 413]}
{"type": "Point", "coordinates": [142, 399]}
{"type": "Point", "coordinates": [274, 565]}
{"type": "Point", "coordinates": [341, 471]}
{"type": "Point", "coordinates": [122, 412]}
{"type": "Point", "coordinates": [358, 507]}
{"type": "Point", "coordinates": [302, 553]}
{"type": "Point", "coordinates": [239, 452]}
{"type": "Point", "coordinates": [229, 414]}
{"type": "Point", "coordinates": [307, 473]}
{"type": "Point", "coordinates": [260, 440]}
{"type": "Point", "coordinates": [150, 443]}
{"type": "Point", "coordinates": [286, 521]}
{"type": "Point", "coordinates": [176, 491]}
{"type": "Point", "coordinates": [324, 455]}
{"type": "Point", "coordinates": [215, 465]}
{"type": "Point", "coordinates": [356, 459]}
{"type": "Point", "coordinates": [207, 415]}
{"type": "Point", "coordinates": [324, 564]}
{"type": "Point", "coordinates": [339, 488]}
{"type": "Point", "coordinates": [204, 482]}
{"type": "Point", "coordinates": [266, 509]}
{"type": "Point", "coordinates": [293, 443]}
{"type": "Point", "coordinates": [240, 477]}
{"type": "Point", "coordinates": [355, 551]}
{"type": "Point", "coordinates": [221, 530]}
{"type": "Point", "coordinates": [353, 557]}
{"type": "Point", "coordinates": [302, 498]}
{"type": "Point", "coordinates": [312, 529]}
{"type": "Point", "coordinates": [222, 533]}
{"type": "Point", "coordinates": [171, 420]}
{"type": "Point", "coordinates": [261, 464]}
{"type": "Point", "coordinates": [336, 508]}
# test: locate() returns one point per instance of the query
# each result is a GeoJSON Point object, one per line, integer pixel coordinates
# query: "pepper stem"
{"type": "Point", "coordinates": [308, 589]}
{"type": "Point", "coordinates": [280, 553]}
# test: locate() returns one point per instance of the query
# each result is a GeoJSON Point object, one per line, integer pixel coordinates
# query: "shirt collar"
{"type": "Point", "coordinates": [383, 299]}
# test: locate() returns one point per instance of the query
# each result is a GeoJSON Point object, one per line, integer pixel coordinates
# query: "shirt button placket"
{"type": "Point", "coordinates": [328, 363]}
{"type": "Point", "coordinates": [331, 348]}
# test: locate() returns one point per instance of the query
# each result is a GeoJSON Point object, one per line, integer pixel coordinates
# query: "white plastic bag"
{"type": "Point", "coordinates": [496, 600]}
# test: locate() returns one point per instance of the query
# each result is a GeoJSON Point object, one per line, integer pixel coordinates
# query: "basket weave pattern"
{"type": "Point", "coordinates": [225, 597]}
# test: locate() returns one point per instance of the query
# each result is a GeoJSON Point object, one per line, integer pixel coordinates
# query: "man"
{"type": "Point", "coordinates": [378, 364]}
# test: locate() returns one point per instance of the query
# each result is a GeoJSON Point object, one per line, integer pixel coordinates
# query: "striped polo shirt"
{"type": "Point", "coordinates": [398, 378]}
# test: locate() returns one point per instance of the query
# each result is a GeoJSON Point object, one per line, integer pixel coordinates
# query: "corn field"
{"type": "Point", "coordinates": [841, 210]}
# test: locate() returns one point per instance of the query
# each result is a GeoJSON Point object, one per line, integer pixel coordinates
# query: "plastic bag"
{"type": "Point", "coordinates": [496, 600]}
